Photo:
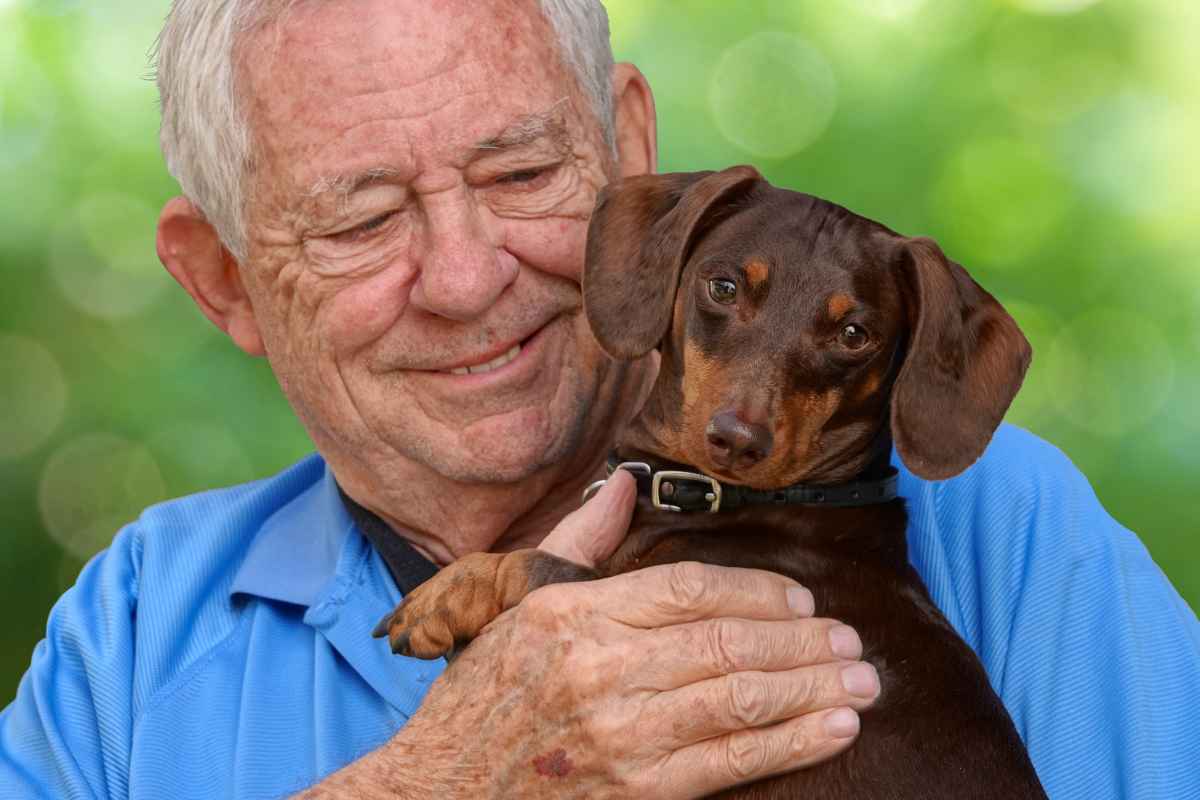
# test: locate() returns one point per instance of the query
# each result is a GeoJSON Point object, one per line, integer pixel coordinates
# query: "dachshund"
{"type": "Point", "coordinates": [799, 343]}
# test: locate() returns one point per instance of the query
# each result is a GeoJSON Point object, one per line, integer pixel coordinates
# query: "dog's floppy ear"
{"type": "Point", "coordinates": [641, 234]}
{"type": "Point", "coordinates": [965, 362]}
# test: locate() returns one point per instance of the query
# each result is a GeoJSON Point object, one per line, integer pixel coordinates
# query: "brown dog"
{"type": "Point", "coordinates": [798, 341]}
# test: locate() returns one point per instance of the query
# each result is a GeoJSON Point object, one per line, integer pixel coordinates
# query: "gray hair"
{"type": "Point", "coordinates": [205, 135]}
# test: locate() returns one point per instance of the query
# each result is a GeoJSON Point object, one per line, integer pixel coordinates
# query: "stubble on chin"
{"type": "Point", "coordinates": [515, 451]}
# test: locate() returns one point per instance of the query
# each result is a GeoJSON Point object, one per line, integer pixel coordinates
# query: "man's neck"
{"type": "Point", "coordinates": [445, 519]}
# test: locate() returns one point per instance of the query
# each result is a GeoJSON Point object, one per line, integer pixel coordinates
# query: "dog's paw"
{"type": "Point", "coordinates": [442, 615]}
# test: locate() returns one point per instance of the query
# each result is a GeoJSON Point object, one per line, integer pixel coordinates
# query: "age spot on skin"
{"type": "Point", "coordinates": [554, 764]}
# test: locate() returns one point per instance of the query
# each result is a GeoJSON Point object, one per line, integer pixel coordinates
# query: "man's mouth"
{"type": "Point", "coordinates": [495, 363]}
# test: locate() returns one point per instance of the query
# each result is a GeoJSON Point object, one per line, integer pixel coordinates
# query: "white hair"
{"type": "Point", "coordinates": [205, 135]}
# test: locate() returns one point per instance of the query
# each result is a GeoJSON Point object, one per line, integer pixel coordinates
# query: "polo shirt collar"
{"type": "Point", "coordinates": [295, 553]}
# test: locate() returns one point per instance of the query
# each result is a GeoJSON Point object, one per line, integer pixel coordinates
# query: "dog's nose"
{"type": "Point", "coordinates": [733, 442]}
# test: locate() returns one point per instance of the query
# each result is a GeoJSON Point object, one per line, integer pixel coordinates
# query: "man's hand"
{"type": "Point", "coordinates": [673, 681]}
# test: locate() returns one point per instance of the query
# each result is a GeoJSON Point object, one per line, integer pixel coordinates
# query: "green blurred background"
{"type": "Point", "coordinates": [1049, 145]}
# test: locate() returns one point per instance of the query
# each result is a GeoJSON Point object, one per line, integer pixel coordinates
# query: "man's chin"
{"type": "Point", "coordinates": [499, 451]}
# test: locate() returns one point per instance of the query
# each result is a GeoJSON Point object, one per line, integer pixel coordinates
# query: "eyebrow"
{"type": "Point", "coordinates": [345, 185]}
{"type": "Point", "coordinates": [523, 131]}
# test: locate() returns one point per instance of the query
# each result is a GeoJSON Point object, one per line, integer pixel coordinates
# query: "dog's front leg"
{"type": "Point", "coordinates": [442, 615]}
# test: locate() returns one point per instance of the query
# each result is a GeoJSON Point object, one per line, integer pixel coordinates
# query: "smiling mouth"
{"type": "Point", "coordinates": [495, 363]}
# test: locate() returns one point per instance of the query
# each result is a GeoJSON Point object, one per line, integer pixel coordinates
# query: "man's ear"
{"type": "Point", "coordinates": [191, 250]}
{"type": "Point", "coordinates": [636, 122]}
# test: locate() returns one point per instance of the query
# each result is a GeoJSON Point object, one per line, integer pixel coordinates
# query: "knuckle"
{"type": "Point", "coordinates": [806, 690]}
{"type": "Point", "coordinates": [534, 618]}
{"type": "Point", "coordinates": [728, 651]}
{"type": "Point", "coordinates": [745, 756]}
{"type": "Point", "coordinates": [749, 700]}
{"type": "Point", "coordinates": [801, 743]}
{"type": "Point", "coordinates": [811, 641]}
{"type": "Point", "coordinates": [687, 583]}
{"type": "Point", "coordinates": [547, 603]}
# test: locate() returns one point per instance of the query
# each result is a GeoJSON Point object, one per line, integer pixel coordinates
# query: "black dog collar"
{"type": "Point", "coordinates": [687, 491]}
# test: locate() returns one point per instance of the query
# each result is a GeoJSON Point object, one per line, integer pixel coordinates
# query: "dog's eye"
{"type": "Point", "coordinates": [854, 337]}
{"type": "Point", "coordinates": [722, 290]}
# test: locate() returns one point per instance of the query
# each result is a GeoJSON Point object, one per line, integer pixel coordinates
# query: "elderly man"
{"type": "Point", "coordinates": [389, 199]}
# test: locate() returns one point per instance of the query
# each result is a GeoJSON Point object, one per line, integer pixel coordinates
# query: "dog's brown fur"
{"type": "Point", "coordinates": [774, 388]}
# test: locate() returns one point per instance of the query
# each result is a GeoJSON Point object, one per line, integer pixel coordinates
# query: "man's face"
{"type": "Point", "coordinates": [423, 180]}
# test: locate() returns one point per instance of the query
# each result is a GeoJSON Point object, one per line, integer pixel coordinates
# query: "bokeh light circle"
{"type": "Point", "coordinates": [1035, 76]}
{"type": "Point", "coordinates": [201, 455]}
{"type": "Point", "coordinates": [772, 94]}
{"type": "Point", "coordinates": [1111, 371]}
{"type": "Point", "coordinates": [94, 485]}
{"type": "Point", "coordinates": [33, 395]}
{"type": "Point", "coordinates": [1136, 152]}
{"type": "Point", "coordinates": [103, 257]}
{"type": "Point", "coordinates": [1001, 198]}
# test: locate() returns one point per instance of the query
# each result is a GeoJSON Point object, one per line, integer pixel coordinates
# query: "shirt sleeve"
{"type": "Point", "coordinates": [67, 733]}
{"type": "Point", "coordinates": [1096, 656]}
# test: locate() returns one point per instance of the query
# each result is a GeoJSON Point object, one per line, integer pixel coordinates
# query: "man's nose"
{"type": "Point", "coordinates": [463, 266]}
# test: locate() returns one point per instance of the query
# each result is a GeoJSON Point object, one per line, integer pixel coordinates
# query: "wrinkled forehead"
{"type": "Point", "coordinates": [804, 245]}
{"type": "Point", "coordinates": [370, 74]}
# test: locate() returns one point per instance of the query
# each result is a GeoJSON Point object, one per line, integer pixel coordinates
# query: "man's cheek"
{"type": "Point", "coordinates": [553, 245]}
{"type": "Point", "coordinates": [360, 313]}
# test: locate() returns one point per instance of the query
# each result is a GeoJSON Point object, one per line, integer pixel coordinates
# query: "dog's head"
{"type": "Point", "coordinates": [794, 334]}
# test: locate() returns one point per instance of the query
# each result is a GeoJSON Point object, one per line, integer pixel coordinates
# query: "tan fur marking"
{"type": "Point", "coordinates": [839, 304]}
{"type": "Point", "coordinates": [757, 271]}
{"type": "Point", "coordinates": [804, 417]}
{"type": "Point", "coordinates": [705, 383]}
{"type": "Point", "coordinates": [870, 385]}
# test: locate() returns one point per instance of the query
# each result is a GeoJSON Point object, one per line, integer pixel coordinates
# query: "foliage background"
{"type": "Point", "coordinates": [1049, 145]}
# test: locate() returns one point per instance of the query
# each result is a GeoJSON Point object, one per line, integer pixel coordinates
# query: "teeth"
{"type": "Point", "coordinates": [495, 363]}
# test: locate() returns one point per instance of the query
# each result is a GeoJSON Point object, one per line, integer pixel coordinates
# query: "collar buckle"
{"type": "Point", "coordinates": [669, 477]}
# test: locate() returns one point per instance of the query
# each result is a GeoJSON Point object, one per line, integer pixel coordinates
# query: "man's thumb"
{"type": "Point", "coordinates": [592, 532]}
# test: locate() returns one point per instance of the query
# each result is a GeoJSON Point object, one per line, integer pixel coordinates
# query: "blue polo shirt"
{"type": "Point", "coordinates": [221, 646]}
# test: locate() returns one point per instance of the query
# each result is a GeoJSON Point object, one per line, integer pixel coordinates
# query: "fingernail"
{"type": "Point", "coordinates": [844, 642]}
{"type": "Point", "coordinates": [801, 601]}
{"type": "Point", "coordinates": [861, 680]}
{"type": "Point", "coordinates": [841, 723]}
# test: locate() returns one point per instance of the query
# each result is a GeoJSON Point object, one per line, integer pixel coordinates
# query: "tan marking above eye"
{"type": "Point", "coordinates": [839, 304]}
{"type": "Point", "coordinates": [757, 271]}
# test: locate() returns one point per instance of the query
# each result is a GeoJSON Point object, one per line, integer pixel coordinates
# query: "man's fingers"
{"type": "Point", "coordinates": [679, 655]}
{"type": "Point", "coordinates": [670, 594]}
{"type": "Point", "coordinates": [743, 700]}
{"type": "Point", "coordinates": [707, 767]}
{"type": "Point", "coordinates": [592, 532]}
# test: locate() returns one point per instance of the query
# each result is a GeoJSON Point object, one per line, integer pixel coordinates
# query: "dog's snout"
{"type": "Point", "coordinates": [735, 443]}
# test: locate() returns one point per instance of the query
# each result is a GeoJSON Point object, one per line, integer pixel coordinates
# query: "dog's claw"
{"type": "Point", "coordinates": [400, 645]}
{"type": "Point", "coordinates": [381, 628]}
